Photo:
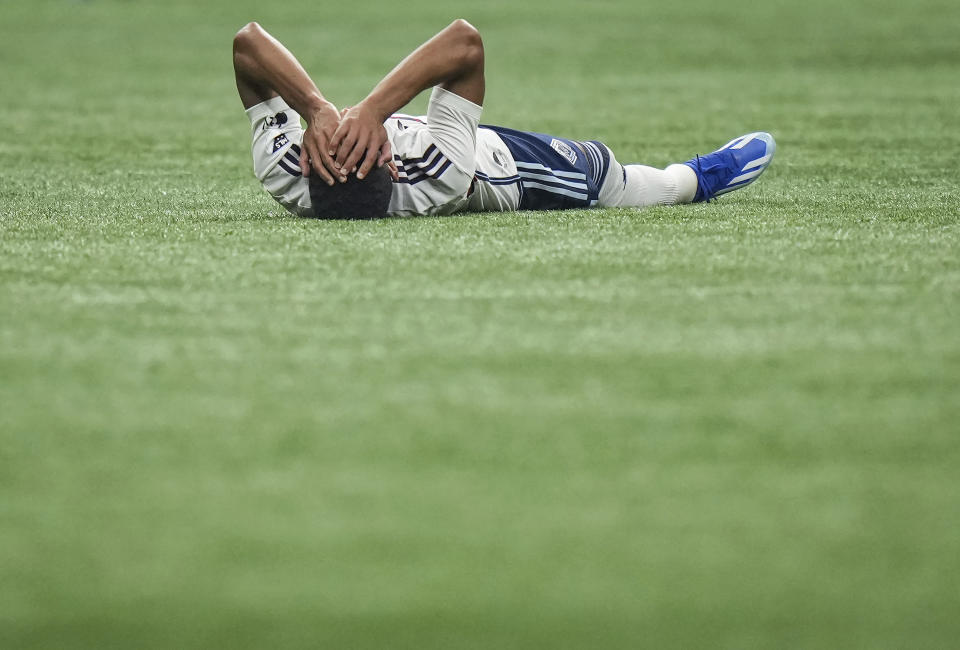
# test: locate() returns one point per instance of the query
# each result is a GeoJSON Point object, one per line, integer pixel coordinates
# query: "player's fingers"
{"type": "Point", "coordinates": [368, 162]}
{"type": "Point", "coordinates": [323, 162]}
{"type": "Point", "coordinates": [344, 169]}
{"type": "Point", "coordinates": [304, 160]}
{"type": "Point", "coordinates": [337, 138]}
{"type": "Point", "coordinates": [329, 163]}
{"type": "Point", "coordinates": [386, 155]}
{"type": "Point", "coordinates": [359, 149]}
{"type": "Point", "coordinates": [345, 149]}
{"type": "Point", "coordinates": [319, 168]}
{"type": "Point", "coordinates": [315, 162]}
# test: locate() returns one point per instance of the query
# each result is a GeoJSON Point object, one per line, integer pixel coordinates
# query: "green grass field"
{"type": "Point", "coordinates": [729, 425]}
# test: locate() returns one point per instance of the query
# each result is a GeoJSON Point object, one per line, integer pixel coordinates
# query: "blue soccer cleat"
{"type": "Point", "coordinates": [734, 165]}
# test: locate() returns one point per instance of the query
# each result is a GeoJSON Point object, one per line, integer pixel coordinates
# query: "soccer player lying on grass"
{"type": "Point", "coordinates": [370, 161]}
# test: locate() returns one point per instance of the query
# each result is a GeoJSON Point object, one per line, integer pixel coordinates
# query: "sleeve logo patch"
{"type": "Point", "coordinates": [564, 150]}
{"type": "Point", "coordinates": [280, 142]}
{"type": "Point", "coordinates": [275, 120]}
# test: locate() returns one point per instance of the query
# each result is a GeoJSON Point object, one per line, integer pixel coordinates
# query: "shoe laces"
{"type": "Point", "coordinates": [705, 194]}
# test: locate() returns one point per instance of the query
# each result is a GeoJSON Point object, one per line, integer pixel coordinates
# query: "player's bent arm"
{"type": "Point", "coordinates": [265, 68]}
{"type": "Point", "coordinates": [452, 59]}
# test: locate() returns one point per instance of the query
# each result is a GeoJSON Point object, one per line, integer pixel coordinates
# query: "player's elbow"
{"type": "Point", "coordinates": [245, 39]}
{"type": "Point", "coordinates": [469, 49]}
{"type": "Point", "coordinates": [466, 32]}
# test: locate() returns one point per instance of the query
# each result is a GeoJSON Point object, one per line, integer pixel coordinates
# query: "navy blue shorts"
{"type": "Point", "coordinates": [556, 173]}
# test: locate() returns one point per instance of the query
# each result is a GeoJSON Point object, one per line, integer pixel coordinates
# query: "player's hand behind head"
{"type": "Point", "coordinates": [315, 154]}
{"type": "Point", "coordinates": [360, 137]}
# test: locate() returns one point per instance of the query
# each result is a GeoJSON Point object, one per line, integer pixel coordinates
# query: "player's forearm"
{"type": "Point", "coordinates": [279, 69]}
{"type": "Point", "coordinates": [451, 54]}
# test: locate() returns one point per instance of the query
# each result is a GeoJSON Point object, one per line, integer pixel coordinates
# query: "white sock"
{"type": "Point", "coordinates": [686, 180]}
{"type": "Point", "coordinates": [646, 186]}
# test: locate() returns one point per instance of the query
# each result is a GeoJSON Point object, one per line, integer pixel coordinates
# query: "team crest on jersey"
{"type": "Point", "coordinates": [275, 120]}
{"type": "Point", "coordinates": [499, 158]}
{"type": "Point", "coordinates": [279, 142]}
{"type": "Point", "coordinates": [564, 150]}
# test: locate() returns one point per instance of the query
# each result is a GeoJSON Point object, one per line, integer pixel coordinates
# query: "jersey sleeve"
{"type": "Point", "coordinates": [452, 121]}
{"type": "Point", "coordinates": [436, 158]}
{"type": "Point", "coordinates": [277, 135]}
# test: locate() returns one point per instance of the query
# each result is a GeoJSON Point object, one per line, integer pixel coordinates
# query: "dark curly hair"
{"type": "Point", "coordinates": [355, 199]}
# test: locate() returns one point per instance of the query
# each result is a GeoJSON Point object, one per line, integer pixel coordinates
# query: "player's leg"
{"type": "Point", "coordinates": [731, 167]}
{"type": "Point", "coordinates": [640, 186]}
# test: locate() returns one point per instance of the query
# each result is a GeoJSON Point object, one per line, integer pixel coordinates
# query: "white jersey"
{"type": "Point", "coordinates": [446, 162]}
